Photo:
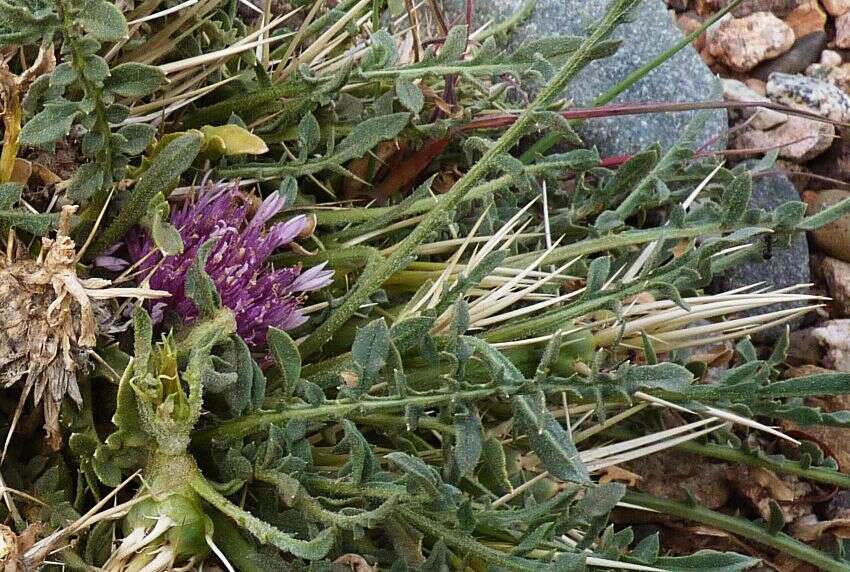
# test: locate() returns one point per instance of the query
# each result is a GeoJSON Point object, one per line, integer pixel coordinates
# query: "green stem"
{"type": "Point", "coordinates": [439, 215]}
{"type": "Point", "coordinates": [313, 549]}
{"type": "Point", "coordinates": [751, 531]}
{"type": "Point", "coordinates": [548, 141]}
{"type": "Point", "coordinates": [465, 545]}
{"type": "Point", "coordinates": [250, 424]}
{"type": "Point", "coordinates": [424, 205]}
{"type": "Point", "coordinates": [101, 125]}
{"type": "Point", "coordinates": [624, 239]}
{"type": "Point", "coordinates": [384, 491]}
{"type": "Point", "coordinates": [817, 474]}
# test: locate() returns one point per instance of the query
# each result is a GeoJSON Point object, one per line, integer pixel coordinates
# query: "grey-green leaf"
{"type": "Point", "coordinates": [133, 79]}
{"type": "Point", "coordinates": [102, 19]}
{"type": "Point", "coordinates": [286, 356]}
{"type": "Point", "coordinates": [370, 347]}
{"type": "Point", "coordinates": [86, 180]}
{"type": "Point", "coordinates": [50, 124]}
{"type": "Point", "coordinates": [409, 94]}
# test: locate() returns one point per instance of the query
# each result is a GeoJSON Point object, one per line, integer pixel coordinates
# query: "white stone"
{"type": "Point", "coordinates": [834, 338]}
{"type": "Point", "coordinates": [798, 139]}
{"type": "Point", "coordinates": [830, 58]}
{"type": "Point", "coordinates": [759, 117]}
{"type": "Point", "coordinates": [743, 43]}
{"type": "Point", "coordinates": [836, 7]}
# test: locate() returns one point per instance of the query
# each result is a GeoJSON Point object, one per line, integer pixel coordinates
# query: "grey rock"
{"type": "Point", "coordinates": [785, 267]}
{"type": "Point", "coordinates": [683, 78]}
{"type": "Point", "coordinates": [811, 94]}
{"type": "Point", "coordinates": [804, 52]}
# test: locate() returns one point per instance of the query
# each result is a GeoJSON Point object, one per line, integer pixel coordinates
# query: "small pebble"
{"type": "Point", "coordinates": [810, 94]}
{"type": "Point", "coordinates": [830, 58]}
{"type": "Point", "coordinates": [842, 31]}
{"type": "Point", "coordinates": [806, 19]}
{"type": "Point", "coordinates": [836, 275]}
{"type": "Point", "coordinates": [760, 117]}
{"type": "Point", "coordinates": [806, 51]}
{"type": "Point", "coordinates": [756, 85]}
{"type": "Point", "coordinates": [839, 76]}
{"type": "Point", "coordinates": [837, 7]}
{"type": "Point", "coordinates": [798, 139]}
{"type": "Point", "coordinates": [833, 238]}
{"type": "Point", "coordinates": [743, 43]}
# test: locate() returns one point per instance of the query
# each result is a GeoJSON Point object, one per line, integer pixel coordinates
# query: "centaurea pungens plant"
{"type": "Point", "coordinates": [258, 295]}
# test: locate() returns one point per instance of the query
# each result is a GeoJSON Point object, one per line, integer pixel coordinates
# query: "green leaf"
{"type": "Point", "coordinates": [468, 442]}
{"type": "Point", "coordinates": [409, 94]}
{"type": "Point", "coordinates": [133, 79]}
{"type": "Point", "coordinates": [363, 466]}
{"type": "Point", "coordinates": [416, 469]}
{"type": "Point", "coordinates": [102, 19]}
{"type": "Point", "coordinates": [95, 68]}
{"type": "Point", "coordinates": [38, 224]}
{"type": "Point", "coordinates": [735, 199]}
{"type": "Point", "coordinates": [629, 175]}
{"type": "Point", "coordinates": [235, 140]}
{"type": "Point", "coordinates": [87, 179]}
{"type": "Point", "coordinates": [199, 286]}
{"type": "Point", "coordinates": [569, 562]}
{"type": "Point", "coordinates": [454, 45]}
{"type": "Point", "coordinates": [169, 164]}
{"type": "Point", "coordinates": [50, 124]}
{"type": "Point", "coordinates": [549, 440]}
{"type": "Point", "coordinates": [99, 543]}
{"type": "Point", "coordinates": [492, 471]}
{"type": "Point", "coordinates": [165, 236]}
{"type": "Point", "coordinates": [597, 274]}
{"type": "Point", "coordinates": [371, 346]}
{"type": "Point", "coordinates": [10, 193]}
{"type": "Point", "coordinates": [314, 549]}
{"type": "Point", "coordinates": [287, 358]}
{"type": "Point", "coordinates": [667, 376]}
{"type": "Point", "coordinates": [309, 134]}
{"type": "Point", "coordinates": [600, 500]}
{"type": "Point", "coordinates": [706, 560]}
{"type": "Point", "coordinates": [790, 215]}
{"type": "Point", "coordinates": [369, 133]}
{"type": "Point", "coordinates": [776, 520]}
{"type": "Point", "coordinates": [647, 549]}
{"type": "Point", "coordinates": [137, 137]}
{"type": "Point", "coordinates": [825, 216]}
{"type": "Point", "coordinates": [63, 75]}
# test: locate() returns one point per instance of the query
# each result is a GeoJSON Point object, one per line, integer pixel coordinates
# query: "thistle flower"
{"type": "Point", "coordinates": [258, 295]}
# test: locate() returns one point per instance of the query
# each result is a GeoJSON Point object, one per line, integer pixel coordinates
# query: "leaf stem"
{"type": "Point", "coordinates": [89, 215]}
{"type": "Point", "coordinates": [464, 544]}
{"type": "Point", "coordinates": [739, 526]}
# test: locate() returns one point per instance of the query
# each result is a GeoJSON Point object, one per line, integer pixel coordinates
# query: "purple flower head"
{"type": "Point", "coordinates": [259, 295]}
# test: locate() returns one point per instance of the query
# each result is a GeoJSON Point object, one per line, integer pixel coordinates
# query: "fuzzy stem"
{"type": "Point", "coordinates": [817, 474]}
{"type": "Point", "coordinates": [94, 93]}
{"type": "Point", "coordinates": [371, 281]}
{"type": "Point", "coordinates": [464, 544]}
{"type": "Point", "coordinates": [741, 527]}
{"type": "Point", "coordinates": [264, 532]}
{"type": "Point", "coordinates": [250, 424]}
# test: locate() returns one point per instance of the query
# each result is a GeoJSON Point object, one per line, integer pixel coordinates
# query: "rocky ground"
{"type": "Point", "coordinates": [795, 53]}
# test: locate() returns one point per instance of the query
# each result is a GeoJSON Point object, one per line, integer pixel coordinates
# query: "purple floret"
{"type": "Point", "coordinates": [259, 295]}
